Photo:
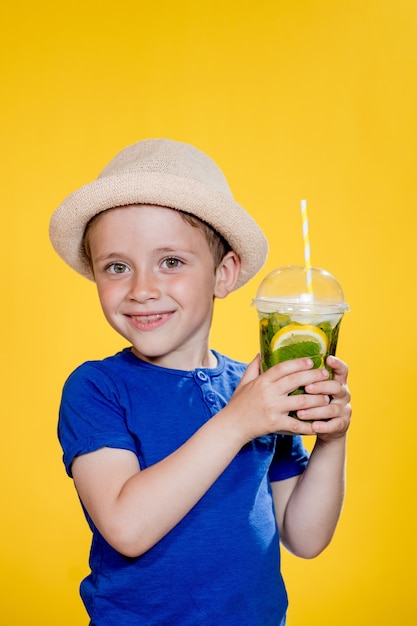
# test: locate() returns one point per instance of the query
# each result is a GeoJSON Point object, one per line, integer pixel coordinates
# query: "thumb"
{"type": "Point", "coordinates": [251, 372]}
{"type": "Point", "coordinates": [340, 369]}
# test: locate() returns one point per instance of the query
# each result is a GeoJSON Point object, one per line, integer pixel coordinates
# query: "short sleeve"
{"type": "Point", "coordinates": [91, 415]}
{"type": "Point", "coordinates": [290, 458]}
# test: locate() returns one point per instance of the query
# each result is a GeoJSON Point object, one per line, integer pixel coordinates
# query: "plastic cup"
{"type": "Point", "coordinates": [294, 323]}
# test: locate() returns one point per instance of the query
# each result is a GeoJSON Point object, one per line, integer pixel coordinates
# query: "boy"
{"type": "Point", "coordinates": [189, 469]}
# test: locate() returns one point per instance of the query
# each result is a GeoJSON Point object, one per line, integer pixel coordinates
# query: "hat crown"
{"type": "Point", "coordinates": [172, 158]}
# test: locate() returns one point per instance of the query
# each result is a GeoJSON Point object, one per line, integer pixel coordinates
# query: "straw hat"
{"type": "Point", "coordinates": [165, 173]}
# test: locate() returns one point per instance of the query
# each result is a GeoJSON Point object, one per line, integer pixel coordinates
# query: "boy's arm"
{"type": "Point", "coordinates": [133, 508]}
{"type": "Point", "coordinates": [308, 506]}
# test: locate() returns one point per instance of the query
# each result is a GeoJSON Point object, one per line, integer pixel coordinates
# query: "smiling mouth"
{"type": "Point", "coordinates": [150, 321]}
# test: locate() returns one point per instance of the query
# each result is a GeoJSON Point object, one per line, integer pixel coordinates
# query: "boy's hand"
{"type": "Point", "coordinates": [261, 403]}
{"type": "Point", "coordinates": [337, 412]}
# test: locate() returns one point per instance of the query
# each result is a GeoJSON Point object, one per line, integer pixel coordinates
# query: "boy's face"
{"type": "Point", "coordinates": [156, 282]}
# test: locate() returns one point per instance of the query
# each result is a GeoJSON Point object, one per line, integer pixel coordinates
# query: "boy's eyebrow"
{"type": "Point", "coordinates": [176, 249]}
{"type": "Point", "coordinates": [106, 256]}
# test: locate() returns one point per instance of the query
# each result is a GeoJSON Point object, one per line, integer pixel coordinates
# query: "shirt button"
{"type": "Point", "coordinates": [202, 375]}
{"type": "Point", "coordinates": [211, 397]}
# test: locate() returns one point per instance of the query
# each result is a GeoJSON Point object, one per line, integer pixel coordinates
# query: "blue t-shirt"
{"type": "Point", "coordinates": [221, 564]}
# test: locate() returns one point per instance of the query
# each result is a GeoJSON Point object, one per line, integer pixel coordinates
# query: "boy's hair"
{"type": "Point", "coordinates": [217, 244]}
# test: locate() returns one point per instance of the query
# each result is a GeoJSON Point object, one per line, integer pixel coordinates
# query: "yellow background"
{"type": "Point", "coordinates": [309, 98]}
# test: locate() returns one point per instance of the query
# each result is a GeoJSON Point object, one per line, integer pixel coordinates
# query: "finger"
{"type": "Point", "coordinates": [290, 375]}
{"type": "Point", "coordinates": [339, 367]}
{"type": "Point", "coordinates": [289, 367]}
{"type": "Point", "coordinates": [333, 425]}
{"type": "Point", "coordinates": [333, 410]}
{"type": "Point", "coordinates": [330, 387]}
{"type": "Point", "coordinates": [293, 381]}
{"type": "Point", "coordinates": [292, 426]}
{"type": "Point", "coordinates": [304, 405]}
{"type": "Point", "coordinates": [330, 428]}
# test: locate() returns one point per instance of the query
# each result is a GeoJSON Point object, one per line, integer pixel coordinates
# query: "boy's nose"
{"type": "Point", "coordinates": [144, 286]}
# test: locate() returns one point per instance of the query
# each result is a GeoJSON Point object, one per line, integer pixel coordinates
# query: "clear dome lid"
{"type": "Point", "coordinates": [287, 287]}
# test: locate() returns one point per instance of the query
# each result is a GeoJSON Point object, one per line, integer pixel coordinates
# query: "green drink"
{"type": "Point", "coordinates": [294, 323]}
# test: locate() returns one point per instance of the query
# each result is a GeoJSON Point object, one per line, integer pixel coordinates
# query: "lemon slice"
{"type": "Point", "coordinates": [299, 333]}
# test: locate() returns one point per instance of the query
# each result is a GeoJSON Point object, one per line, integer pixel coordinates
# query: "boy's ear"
{"type": "Point", "coordinates": [227, 274]}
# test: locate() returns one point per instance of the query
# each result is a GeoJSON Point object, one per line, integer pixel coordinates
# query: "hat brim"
{"type": "Point", "coordinates": [68, 223]}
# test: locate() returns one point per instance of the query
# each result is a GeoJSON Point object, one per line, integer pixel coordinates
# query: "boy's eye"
{"type": "Point", "coordinates": [171, 263]}
{"type": "Point", "coordinates": [117, 268]}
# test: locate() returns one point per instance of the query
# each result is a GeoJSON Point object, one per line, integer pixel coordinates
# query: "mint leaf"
{"type": "Point", "coordinates": [297, 351]}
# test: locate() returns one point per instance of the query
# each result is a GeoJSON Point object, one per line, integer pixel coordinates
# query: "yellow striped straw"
{"type": "Point", "coordinates": [307, 258]}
